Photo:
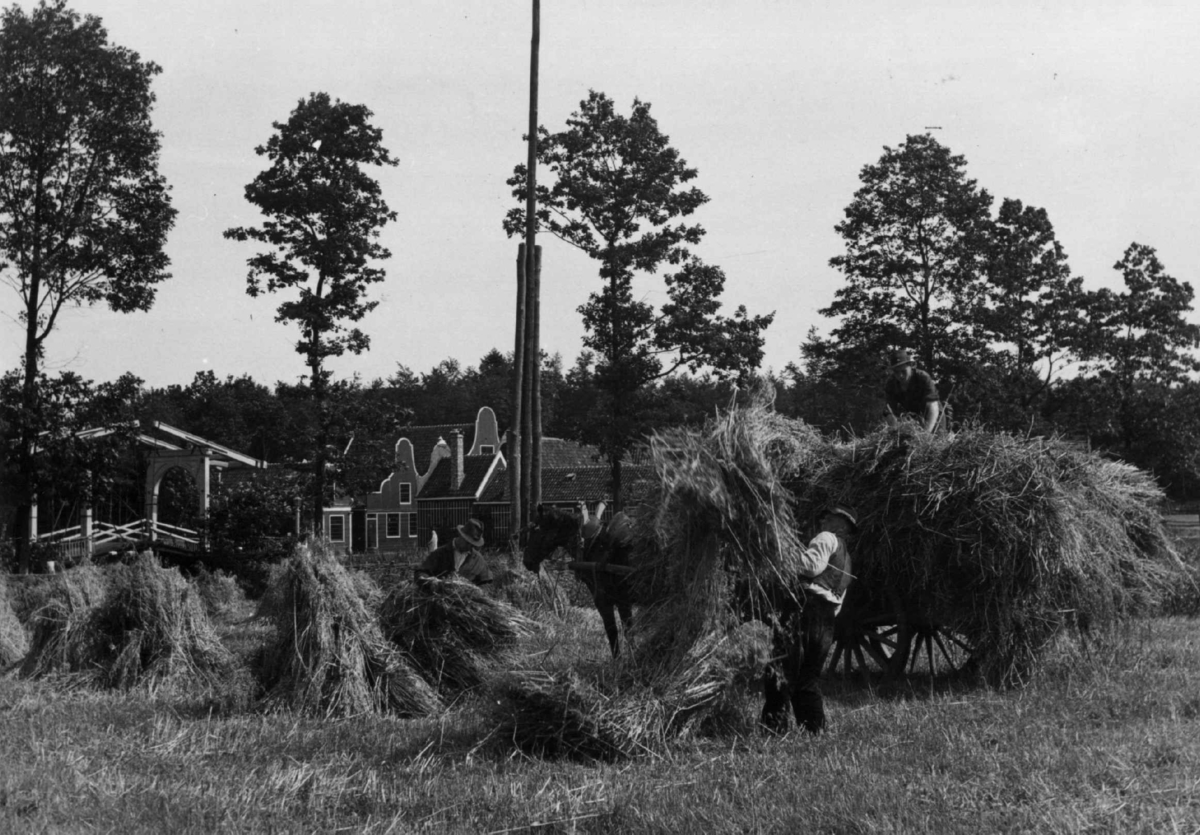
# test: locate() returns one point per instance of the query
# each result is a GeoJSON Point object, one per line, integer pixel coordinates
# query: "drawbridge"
{"type": "Point", "coordinates": [169, 449]}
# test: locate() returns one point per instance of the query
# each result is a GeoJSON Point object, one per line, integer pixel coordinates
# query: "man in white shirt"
{"type": "Point", "coordinates": [804, 634]}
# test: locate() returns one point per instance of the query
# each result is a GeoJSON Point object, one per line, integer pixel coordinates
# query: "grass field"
{"type": "Point", "coordinates": [1108, 742]}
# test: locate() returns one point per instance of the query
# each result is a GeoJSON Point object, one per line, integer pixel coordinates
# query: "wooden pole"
{"type": "Point", "coordinates": [531, 349]}
{"type": "Point", "coordinates": [535, 380]}
{"type": "Point", "coordinates": [518, 394]}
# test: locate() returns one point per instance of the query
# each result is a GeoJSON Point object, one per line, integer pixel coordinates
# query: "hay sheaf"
{"type": "Point", "coordinates": [14, 643]}
{"type": "Point", "coordinates": [149, 629]}
{"type": "Point", "coordinates": [631, 709]}
{"type": "Point", "coordinates": [330, 657]}
{"type": "Point", "coordinates": [452, 632]}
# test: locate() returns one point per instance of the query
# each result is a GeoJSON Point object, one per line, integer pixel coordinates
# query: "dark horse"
{"type": "Point", "coordinates": [608, 546]}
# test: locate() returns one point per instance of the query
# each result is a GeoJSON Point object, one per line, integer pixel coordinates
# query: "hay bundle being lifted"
{"type": "Point", "coordinates": [452, 632]}
{"type": "Point", "coordinates": [148, 630]}
{"type": "Point", "coordinates": [330, 657]}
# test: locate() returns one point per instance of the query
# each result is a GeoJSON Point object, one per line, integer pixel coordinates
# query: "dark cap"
{"type": "Point", "coordinates": [846, 511]}
{"type": "Point", "coordinates": [900, 357]}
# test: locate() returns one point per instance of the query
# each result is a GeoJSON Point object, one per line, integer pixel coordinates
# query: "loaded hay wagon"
{"type": "Point", "coordinates": [975, 549]}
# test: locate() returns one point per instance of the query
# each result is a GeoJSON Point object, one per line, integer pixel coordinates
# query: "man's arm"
{"type": "Point", "coordinates": [932, 410]}
{"type": "Point", "coordinates": [815, 558]}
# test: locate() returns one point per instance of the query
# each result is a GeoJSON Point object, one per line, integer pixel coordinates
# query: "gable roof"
{"type": "Point", "coordinates": [476, 469]}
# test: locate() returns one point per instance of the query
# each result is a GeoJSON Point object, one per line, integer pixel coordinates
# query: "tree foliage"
{"type": "Point", "coordinates": [619, 192]}
{"type": "Point", "coordinates": [84, 213]}
{"type": "Point", "coordinates": [914, 260]}
{"type": "Point", "coordinates": [323, 215]}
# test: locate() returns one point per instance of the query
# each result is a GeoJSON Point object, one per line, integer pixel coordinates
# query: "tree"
{"type": "Point", "coordinates": [84, 213]}
{"type": "Point", "coordinates": [1140, 340]}
{"type": "Point", "coordinates": [619, 194]}
{"type": "Point", "coordinates": [1035, 312]}
{"type": "Point", "coordinates": [323, 218]}
{"type": "Point", "coordinates": [914, 259]}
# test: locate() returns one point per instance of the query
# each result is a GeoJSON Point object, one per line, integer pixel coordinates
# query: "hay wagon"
{"type": "Point", "coordinates": [877, 629]}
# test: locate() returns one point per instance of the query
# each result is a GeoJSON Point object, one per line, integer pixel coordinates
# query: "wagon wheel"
{"type": "Point", "coordinates": [862, 639]}
{"type": "Point", "coordinates": [936, 650]}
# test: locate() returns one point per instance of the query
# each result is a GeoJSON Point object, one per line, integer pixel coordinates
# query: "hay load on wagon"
{"type": "Point", "coordinates": [14, 643]}
{"type": "Point", "coordinates": [998, 542]}
{"type": "Point", "coordinates": [981, 547]}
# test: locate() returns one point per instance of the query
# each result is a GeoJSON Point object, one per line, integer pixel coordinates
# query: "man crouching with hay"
{"type": "Point", "coordinates": [460, 557]}
{"type": "Point", "coordinates": [804, 632]}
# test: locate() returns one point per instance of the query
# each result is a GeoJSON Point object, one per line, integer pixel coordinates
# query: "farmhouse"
{"type": "Point", "coordinates": [448, 473]}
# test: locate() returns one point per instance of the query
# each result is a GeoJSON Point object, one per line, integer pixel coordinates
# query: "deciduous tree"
{"type": "Point", "coordinates": [84, 212]}
{"type": "Point", "coordinates": [619, 192]}
{"type": "Point", "coordinates": [324, 214]}
{"type": "Point", "coordinates": [914, 259]}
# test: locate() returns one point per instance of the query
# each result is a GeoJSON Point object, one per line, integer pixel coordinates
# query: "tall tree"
{"type": "Point", "coordinates": [619, 194]}
{"type": "Point", "coordinates": [323, 215]}
{"type": "Point", "coordinates": [1036, 307]}
{"type": "Point", "coordinates": [1140, 339]}
{"type": "Point", "coordinates": [914, 256]}
{"type": "Point", "coordinates": [84, 213]}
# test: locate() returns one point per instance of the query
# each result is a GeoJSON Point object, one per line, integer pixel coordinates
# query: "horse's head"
{"type": "Point", "coordinates": [551, 530]}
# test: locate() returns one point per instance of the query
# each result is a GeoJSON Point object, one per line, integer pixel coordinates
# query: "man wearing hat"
{"type": "Point", "coordinates": [804, 634]}
{"type": "Point", "coordinates": [911, 391]}
{"type": "Point", "coordinates": [460, 557]}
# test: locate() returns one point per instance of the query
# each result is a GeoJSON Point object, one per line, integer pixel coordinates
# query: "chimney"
{"type": "Point", "coordinates": [458, 472]}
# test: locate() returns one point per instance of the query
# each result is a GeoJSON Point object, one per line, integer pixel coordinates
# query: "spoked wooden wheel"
{"type": "Point", "coordinates": [934, 650]}
{"type": "Point", "coordinates": [863, 645]}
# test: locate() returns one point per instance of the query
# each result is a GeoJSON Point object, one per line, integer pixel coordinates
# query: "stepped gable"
{"type": "Point", "coordinates": [425, 438]}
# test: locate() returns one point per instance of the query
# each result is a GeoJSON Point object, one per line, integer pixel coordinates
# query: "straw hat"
{"type": "Point", "coordinates": [472, 532]}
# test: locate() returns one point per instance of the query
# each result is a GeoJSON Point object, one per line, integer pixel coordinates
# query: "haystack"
{"type": "Point", "coordinates": [150, 629]}
{"type": "Point", "coordinates": [14, 643]}
{"type": "Point", "coordinates": [330, 657]}
{"type": "Point", "coordinates": [452, 632]}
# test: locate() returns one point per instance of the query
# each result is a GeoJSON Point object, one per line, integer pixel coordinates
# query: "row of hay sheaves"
{"type": "Point", "coordinates": [1005, 540]}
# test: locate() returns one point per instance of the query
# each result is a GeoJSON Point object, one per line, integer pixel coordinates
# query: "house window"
{"type": "Point", "coordinates": [409, 524]}
{"type": "Point", "coordinates": [405, 492]}
{"type": "Point", "coordinates": [337, 527]}
{"type": "Point", "coordinates": [486, 449]}
{"type": "Point", "coordinates": [392, 527]}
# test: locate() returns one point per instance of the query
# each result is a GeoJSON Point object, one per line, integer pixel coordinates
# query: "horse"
{"type": "Point", "coordinates": [607, 546]}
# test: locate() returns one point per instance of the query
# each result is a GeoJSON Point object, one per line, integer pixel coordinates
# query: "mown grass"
{"type": "Point", "coordinates": [1107, 742]}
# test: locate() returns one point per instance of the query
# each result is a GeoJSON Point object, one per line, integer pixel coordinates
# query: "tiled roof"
{"type": "Point", "coordinates": [580, 484]}
{"type": "Point", "coordinates": [558, 452]}
{"type": "Point", "coordinates": [475, 470]}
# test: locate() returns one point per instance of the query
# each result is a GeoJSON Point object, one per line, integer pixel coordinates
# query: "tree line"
{"type": "Point", "coordinates": [983, 295]}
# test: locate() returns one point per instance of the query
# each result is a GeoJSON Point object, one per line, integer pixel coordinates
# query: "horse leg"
{"type": "Point", "coordinates": [610, 625]}
{"type": "Point", "coordinates": [625, 609]}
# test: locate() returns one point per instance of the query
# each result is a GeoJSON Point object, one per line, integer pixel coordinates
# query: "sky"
{"type": "Point", "coordinates": [1087, 109]}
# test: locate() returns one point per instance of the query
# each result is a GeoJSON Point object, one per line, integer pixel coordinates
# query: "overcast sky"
{"type": "Point", "coordinates": [1088, 109]}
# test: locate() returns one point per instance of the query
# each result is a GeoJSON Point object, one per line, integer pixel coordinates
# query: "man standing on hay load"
{"type": "Point", "coordinates": [804, 635]}
{"type": "Point", "coordinates": [459, 557]}
{"type": "Point", "coordinates": [911, 392]}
